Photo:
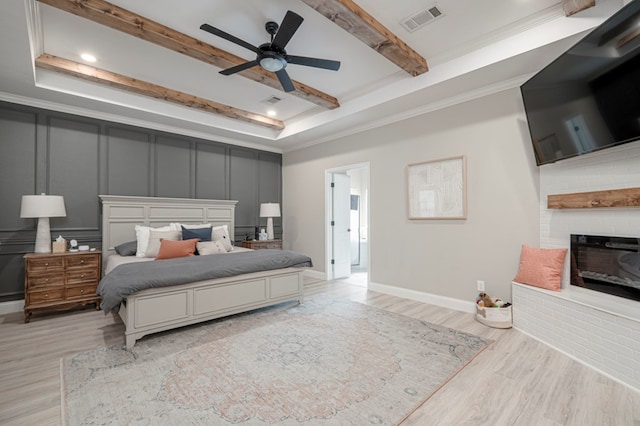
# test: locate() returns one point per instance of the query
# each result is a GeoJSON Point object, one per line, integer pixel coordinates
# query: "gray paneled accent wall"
{"type": "Point", "coordinates": [128, 161]}
{"type": "Point", "coordinates": [79, 157]}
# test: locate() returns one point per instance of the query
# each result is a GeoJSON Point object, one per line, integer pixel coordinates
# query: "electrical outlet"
{"type": "Point", "coordinates": [480, 285]}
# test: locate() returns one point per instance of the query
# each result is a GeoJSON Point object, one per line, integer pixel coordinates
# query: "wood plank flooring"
{"type": "Point", "coordinates": [516, 381]}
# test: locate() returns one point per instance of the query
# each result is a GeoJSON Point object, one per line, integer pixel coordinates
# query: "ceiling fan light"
{"type": "Point", "coordinates": [273, 63]}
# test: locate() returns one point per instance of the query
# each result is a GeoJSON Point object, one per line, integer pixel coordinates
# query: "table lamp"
{"type": "Point", "coordinates": [42, 207]}
{"type": "Point", "coordinates": [270, 210]}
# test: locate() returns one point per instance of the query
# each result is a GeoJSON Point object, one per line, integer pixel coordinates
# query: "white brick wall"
{"type": "Point", "coordinates": [600, 330]}
{"type": "Point", "coordinates": [614, 168]}
{"type": "Point", "coordinates": [604, 340]}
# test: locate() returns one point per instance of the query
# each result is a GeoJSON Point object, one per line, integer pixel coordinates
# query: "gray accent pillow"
{"type": "Point", "coordinates": [203, 233]}
{"type": "Point", "coordinates": [127, 249]}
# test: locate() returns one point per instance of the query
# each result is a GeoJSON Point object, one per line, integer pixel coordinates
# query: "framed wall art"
{"type": "Point", "coordinates": [437, 189]}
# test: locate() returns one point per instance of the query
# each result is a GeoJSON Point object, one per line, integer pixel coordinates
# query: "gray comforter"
{"type": "Point", "coordinates": [131, 278]}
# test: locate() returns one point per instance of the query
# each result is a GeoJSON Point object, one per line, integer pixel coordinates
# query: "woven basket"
{"type": "Point", "coordinates": [494, 317]}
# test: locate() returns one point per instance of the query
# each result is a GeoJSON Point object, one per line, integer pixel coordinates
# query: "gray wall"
{"type": "Point", "coordinates": [79, 158]}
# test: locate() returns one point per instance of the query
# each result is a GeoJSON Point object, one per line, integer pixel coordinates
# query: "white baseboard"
{"type": "Point", "coordinates": [315, 274]}
{"type": "Point", "coordinates": [11, 307]}
{"type": "Point", "coordinates": [419, 296]}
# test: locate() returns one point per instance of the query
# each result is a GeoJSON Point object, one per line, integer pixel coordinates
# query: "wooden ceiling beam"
{"type": "Point", "coordinates": [120, 19]}
{"type": "Point", "coordinates": [119, 81]}
{"type": "Point", "coordinates": [572, 7]}
{"type": "Point", "coordinates": [355, 20]}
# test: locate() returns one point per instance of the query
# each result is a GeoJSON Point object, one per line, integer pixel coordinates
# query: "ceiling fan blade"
{"type": "Point", "coordinates": [285, 80]}
{"type": "Point", "coordinates": [215, 31]}
{"type": "Point", "coordinates": [289, 26]}
{"type": "Point", "coordinates": [326, 64]}
{"type": "Point", "coordinates": [239, 68]}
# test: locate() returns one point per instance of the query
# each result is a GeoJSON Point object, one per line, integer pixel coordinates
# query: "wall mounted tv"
{"type": "Point", "coordinates": [588, 99]}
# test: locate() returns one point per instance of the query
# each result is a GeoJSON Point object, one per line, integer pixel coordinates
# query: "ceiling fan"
{"type": "Point", "coordinates": [272, 56]}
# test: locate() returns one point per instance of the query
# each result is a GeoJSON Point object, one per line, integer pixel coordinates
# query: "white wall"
{"type": "Point", "coordinates": [442, 258]}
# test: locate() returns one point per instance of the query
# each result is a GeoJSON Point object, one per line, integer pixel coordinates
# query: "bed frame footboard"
{"type": "Point", "coordinates": [159, 309]}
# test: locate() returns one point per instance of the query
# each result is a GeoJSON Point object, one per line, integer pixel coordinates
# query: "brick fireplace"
{"type": "Point", "coordinates": [597, 329]}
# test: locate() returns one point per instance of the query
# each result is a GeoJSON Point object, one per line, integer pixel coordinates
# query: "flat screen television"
{"type": "Point", "coordinates": [588, 99]}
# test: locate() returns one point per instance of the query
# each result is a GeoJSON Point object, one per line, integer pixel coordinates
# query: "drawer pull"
{"type": "Point", "coordinates": [82, 291]}
{"type": "Point", "coordinates": [82, 261]}
{"type": "Point", "coordinates": [46, 264]}
{"type": "Point", "coordinates": [46, 295]}
{"type": "Point", "coordinates": [46, 280]}
{"type": "Point", "coordinates": [81, 275]}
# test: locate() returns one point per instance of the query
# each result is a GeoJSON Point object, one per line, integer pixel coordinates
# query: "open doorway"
{"type": "Point", "coordinates": [347, 232]}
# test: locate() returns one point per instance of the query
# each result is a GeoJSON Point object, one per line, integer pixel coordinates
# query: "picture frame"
{"type": "Point", "coordinates": [437, 189]}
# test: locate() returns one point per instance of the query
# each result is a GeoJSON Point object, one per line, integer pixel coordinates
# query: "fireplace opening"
{"type": "Point", "coordinates": [606, 264]}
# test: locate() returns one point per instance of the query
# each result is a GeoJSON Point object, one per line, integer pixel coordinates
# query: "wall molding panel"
{"type": "Point", "coordinates": [80, 157]}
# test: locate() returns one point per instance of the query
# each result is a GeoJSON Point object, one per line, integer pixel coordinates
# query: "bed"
{"type": "Point", "coordinates": [159, 309]}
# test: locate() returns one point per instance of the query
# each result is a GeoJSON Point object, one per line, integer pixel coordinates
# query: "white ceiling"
{"type": "Point", "coordinates": [476, 48]}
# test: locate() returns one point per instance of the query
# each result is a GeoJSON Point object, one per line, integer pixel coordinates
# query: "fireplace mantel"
{"type": "Point", "coordinates": [628, 197]}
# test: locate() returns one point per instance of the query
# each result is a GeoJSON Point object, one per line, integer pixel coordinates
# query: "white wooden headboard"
{"type": "Point", "coordinates": [120, 214]}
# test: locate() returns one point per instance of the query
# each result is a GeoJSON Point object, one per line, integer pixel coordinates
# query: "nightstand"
{"type": "Point", "coordinates": [263, 244]}
{"type": "Point", "coordinates": [60, 280]}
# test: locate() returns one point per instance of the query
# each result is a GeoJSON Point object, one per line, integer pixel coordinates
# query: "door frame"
{"type": "Point", "coordinates": [328, 203]}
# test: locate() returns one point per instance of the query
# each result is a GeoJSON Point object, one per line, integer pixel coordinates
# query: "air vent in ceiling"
{"type": "Point", "coordinates": [272, 100]}
{"type": "Point", "coordinates": [421, 18]}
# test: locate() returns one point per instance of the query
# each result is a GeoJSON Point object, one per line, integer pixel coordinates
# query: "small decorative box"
{"type": "Point", "coordinates": [59, 247]}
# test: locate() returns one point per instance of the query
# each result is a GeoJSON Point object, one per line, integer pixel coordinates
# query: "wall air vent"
{"type": "Point", "coordinates": [421, 18]}
{"type": "Point", "coordinates": [272, 100]}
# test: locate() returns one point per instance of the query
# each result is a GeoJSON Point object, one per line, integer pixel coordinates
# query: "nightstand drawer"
{"type": "Point", "coordinates": [48, 280]}
{"type": "Point", "coordinates": [262, 244]}
{"type": "Point", "coordinates": [36, 297]}
{"type": "Point", "coordinates": [45, 265]}
{"type": "Point", "coordinates": [81, 261]}
{"type": "Point", "coordinates": [84, 291]}
{"type": "Point", "coordinates": [272, 245]}
{"type": "Point", "coordinates": [82, 276]}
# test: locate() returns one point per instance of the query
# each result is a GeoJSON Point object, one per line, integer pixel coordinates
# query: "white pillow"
{"type": "Point", "coordinates": [154, 240]}
{"type": "Point", "coordinates": [142, 236]}
{"type": "Point", "coordinates": [199, 226]}
{"type": "Point", "coordinates": [210, 247]}
{"type": "Point", "coordinates": [221, 233]}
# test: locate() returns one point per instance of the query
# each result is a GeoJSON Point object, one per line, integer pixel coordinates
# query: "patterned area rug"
{"type": "Point", "coordinates": [323, 362]}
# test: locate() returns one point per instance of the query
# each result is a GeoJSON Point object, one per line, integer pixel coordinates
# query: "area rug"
{"type": "Point", "coordinates": [325, 361]}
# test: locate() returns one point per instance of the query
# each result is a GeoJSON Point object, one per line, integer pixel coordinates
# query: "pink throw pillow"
{"type": "Point", "coordinates": [541, 267]}
{"type": "Point", "coordinates": [172, 249]}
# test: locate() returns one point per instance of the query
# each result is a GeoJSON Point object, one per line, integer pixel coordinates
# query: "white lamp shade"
{"type": "Point", "coordinates": [269, 210]}
{"type": "Point", "coordinates": [42, 206]}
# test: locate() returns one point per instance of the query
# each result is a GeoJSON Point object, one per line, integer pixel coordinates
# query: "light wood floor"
{"type": "Point", "coordinates": [516, 381]}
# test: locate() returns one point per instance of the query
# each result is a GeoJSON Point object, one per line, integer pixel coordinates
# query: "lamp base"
{"type": "Point", "coordinates": [43, 236]}
{"type": "Point", "coordinates": [270, 229]}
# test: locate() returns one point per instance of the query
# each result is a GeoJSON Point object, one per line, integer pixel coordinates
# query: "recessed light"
{"type": "Point", "coordinates": [271, 113]}
{"type": "Point", "coordinates": [88, 57]}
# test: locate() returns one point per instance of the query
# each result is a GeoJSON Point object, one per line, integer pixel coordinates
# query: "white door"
{"type": "Point", "coordinates": [341, 202]}
{"type": "Point", "coordinates": [355, 229]}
